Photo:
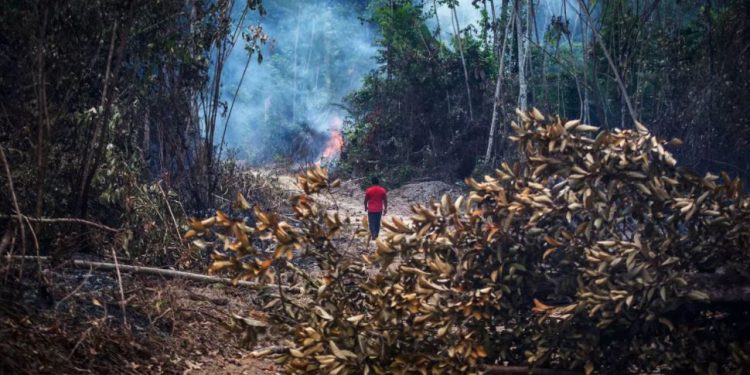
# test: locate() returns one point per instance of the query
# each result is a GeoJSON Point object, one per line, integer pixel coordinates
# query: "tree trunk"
{"type": "Point", "coordinates": [96, 150]}
{"type": "Point", "coordinates": [146, 145]}
{"type": "Point", "coordinates": [493, 25]}
{"type": "Point", "coordinates": [615, 71]}
{"type": "Point", "coordinates": [586, 101]}
{"type": "Point", "coordinates": [499, 84]}
{"type": "Point", "coordinates": [437, 20]}
{"type": "Point", "coordinates": [43, 128]}
{"type": "Point", "coordinates": [224, 45]}
{"type": "Point", "coordinates": [523, 48]}
{"type": "Point", "coordinates": [295, 67]}
{"type": "Point", "coordinates": [457, 29]}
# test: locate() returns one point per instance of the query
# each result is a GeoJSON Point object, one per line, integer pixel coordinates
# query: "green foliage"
{"type": "Point", "coordinates": [99, 100]}
{"type": "Point", "coordinates": [410, 117]}
{"type": "Point", "coordinates": [683, 64]}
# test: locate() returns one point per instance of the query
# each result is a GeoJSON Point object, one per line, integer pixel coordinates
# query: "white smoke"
{"type": "Point", "coordinates": [318, 52]}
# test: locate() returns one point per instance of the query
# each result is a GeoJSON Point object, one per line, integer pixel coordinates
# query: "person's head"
{"type": "Point", "coordinates": [375, 180]}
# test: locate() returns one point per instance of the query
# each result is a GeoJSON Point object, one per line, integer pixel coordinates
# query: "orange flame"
{"type": "Point", "coordinates": [335, 140]}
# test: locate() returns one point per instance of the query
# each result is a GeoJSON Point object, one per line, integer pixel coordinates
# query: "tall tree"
{"type": "Point", "coordinates": [459, 43]}
{"type": "Point", "coordinates": [496, 104]}
{"type": "Point", "coordinates": [584, 9]}
{"type": "Point", "coordinates": [523, 37]}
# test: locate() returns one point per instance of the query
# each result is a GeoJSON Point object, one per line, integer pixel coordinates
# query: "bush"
{"type": "Point", "coordinates": [597, 254]}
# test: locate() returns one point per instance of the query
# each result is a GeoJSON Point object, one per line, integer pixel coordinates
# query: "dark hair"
{"type": "Point", "coordinates": [375, 180]}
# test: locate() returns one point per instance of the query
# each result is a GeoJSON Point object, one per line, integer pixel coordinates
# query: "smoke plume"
{"type": "Point", "coordinates": [290, 105]}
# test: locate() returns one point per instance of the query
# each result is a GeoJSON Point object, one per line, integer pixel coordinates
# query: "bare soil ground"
{"type": "Point", "coordinates": [173, 326]}
{"type": "Point", "coordinates": [349, 197]}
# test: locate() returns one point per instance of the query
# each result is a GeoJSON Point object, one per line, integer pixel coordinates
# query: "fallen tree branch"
{"type": "Point", "coordinates": [59, 220]}
{"type": "Point", "coordinates": [169, 207]}
{"type": "Point", "coordinates": [523, 370]}
{"type": "Point", "coordinates": [119, 284]}
{"type": "Point", "coordinates": [157, 271]}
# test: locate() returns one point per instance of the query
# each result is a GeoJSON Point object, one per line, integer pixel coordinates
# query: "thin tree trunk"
{"type": "Point", "coordinates": [498, 86]}
{"type": "Point", "coordinates": [575, 76]}
{"type": "Point", "coordinates": [618, 78]}
{"type": "Point", "coordinates": [505, 18]}
{"type": "Point", "coordinates": [545, 83]}
{"type": "Point", "coordinates": [161, 141]}
{"type": "Point", "coordinates": [211, 119]}
{"type": "Point", "coordinates": [457, 29]}
{"type": "Point", "coordinates": [296, 68]}
{"type": "Point", "coordinates": [155, 271]}
{"type": "Point", "coordinates": [494, 28]}
{"type": "Point", "coordinates": [224, 47]}
{"type": "Point", "coordinates": [99, 139]}
{"type": "Point", "coordinates": [437, 20]}
{"type": "Point", "coordinates": [527, 55]}
{"type": "Point", "coordinates": [146, 145]}
{"type": "Point", "coordinates": [99, 123]}
{"type": "Point", "coordinates": [231, 106]}
{"type": "Point", "coordinates": [586, 101]}
{"type": "Point", "coordinates": [523, 48]}
{"type": "Point", "coordinates": [43, 129]}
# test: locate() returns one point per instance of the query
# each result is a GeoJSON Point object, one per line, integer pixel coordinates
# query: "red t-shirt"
{"type": "Point", "coordinates": [375, 196]}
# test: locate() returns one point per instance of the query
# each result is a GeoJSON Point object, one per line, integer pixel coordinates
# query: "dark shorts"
{"type": "Point", "coordinates": [374, 220]}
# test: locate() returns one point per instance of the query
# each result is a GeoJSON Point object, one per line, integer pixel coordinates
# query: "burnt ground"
{"type": "Point", "coordinates": [76, 324]}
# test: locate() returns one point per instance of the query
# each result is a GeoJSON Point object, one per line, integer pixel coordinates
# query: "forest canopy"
{"type": "Point", "coordinates": [679, 66]}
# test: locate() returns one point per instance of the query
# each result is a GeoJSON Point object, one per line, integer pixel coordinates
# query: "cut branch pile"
{"type": "Point", "coordinates": [598, 254]}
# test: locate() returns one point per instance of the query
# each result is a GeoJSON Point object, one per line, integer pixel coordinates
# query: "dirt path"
{"type": "Point", "coordinates": [348, 200]}
{"type": "Point", "coordinates": [349, 197]}
{"type": "Point", "coordinates": [175, 326]}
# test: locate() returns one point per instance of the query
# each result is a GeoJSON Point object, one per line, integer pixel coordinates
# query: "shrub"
{"type": "Point", "coordinates": [597, 254]}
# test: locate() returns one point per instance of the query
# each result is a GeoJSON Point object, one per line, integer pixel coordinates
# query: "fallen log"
{"type": "Point", "coordinates": [61, 220]}
{"type": "Point", "coordinates": [158, 271]}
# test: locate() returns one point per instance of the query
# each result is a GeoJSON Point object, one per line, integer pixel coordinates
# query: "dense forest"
{"type": "Point", "coordinates": [679, 67]}
{"type": "Point", "coordinates": [565, 180]}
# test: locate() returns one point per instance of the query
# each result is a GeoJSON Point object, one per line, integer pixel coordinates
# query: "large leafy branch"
{"type": "Point", "coordinates": [597, 253]}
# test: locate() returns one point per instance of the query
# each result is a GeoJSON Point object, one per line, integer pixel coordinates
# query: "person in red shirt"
{"type": "Point", "coordinates": [376, 205]}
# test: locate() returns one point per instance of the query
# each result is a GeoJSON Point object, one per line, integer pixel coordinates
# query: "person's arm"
{"type": "Point", "coordinates": [366, 199]}
{"type": "Point", "coordinates": [385, 205]}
